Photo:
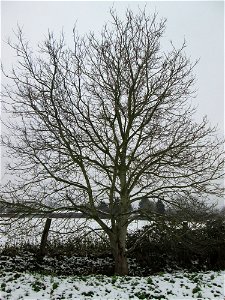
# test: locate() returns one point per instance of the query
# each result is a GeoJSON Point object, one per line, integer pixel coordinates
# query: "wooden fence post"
{"type": "Point", "coordinates": [44, 237]}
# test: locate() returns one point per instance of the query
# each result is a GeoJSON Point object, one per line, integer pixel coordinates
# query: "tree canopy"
{"type": "Point", "coordinates": [108, 119]}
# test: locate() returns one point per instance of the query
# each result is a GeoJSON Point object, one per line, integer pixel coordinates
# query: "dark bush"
{"type": "Point", "coordinates": [169, 244]}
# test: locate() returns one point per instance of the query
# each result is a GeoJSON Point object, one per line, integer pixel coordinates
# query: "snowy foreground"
{"type": "Point", "coordinates": [179, 285]}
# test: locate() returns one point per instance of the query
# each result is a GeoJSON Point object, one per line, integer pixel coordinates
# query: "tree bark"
{"type": "Point", "coordinates": [118, 245]}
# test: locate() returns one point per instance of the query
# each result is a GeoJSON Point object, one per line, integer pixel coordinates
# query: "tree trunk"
{"type": "Point", "coordinates": [118, 245]}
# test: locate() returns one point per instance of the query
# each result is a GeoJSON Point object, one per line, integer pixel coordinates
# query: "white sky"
{"type": "Point", "coordinates": [201, 23]}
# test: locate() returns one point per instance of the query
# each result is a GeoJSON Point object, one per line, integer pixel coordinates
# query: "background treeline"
{"type": "Point", "coordinates": [144, 205]}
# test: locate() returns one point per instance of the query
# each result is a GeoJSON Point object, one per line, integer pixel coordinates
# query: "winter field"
{"type": "Point", "coordinates": [182, 285]}
{"type": "Point", "coordinates": [33, 286]}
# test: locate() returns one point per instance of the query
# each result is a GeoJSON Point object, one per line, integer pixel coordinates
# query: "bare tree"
{"type": "Point", "coordinates": [109, 119]}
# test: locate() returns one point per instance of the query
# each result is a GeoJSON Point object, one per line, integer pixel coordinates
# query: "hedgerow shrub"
{"type": "Point", "coordinates": [168, 244]}
{"type": "Point", "coordinates": [164, 245]}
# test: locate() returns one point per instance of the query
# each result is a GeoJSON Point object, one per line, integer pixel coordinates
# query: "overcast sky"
{"type": "Point", "coordinates": [200, 23]}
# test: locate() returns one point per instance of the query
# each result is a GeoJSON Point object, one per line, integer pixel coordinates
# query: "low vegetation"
{"type": "Point", "coordinates": [163, 246]}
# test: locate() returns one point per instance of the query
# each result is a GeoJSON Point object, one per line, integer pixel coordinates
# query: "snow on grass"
{"type": "Point", "coordinates": [179, 285]}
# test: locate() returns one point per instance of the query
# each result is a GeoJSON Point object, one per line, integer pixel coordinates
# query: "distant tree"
{"type": "Point", "coordinates": [160, 207]}
{"type": "Point", "coordinates": [116, 209]}
{"type": "Point", "coordinates": [146, 205]}
{"type": "Point", "coordinates": [109, 118]}
{"type": "Point", "coordinates": [103, 206]}
{"type": "Point", "coordinates": [192, 209]}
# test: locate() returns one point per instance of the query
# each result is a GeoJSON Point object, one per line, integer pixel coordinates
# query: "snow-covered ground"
{"type": "Point", "coordinates": [179, 285]}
